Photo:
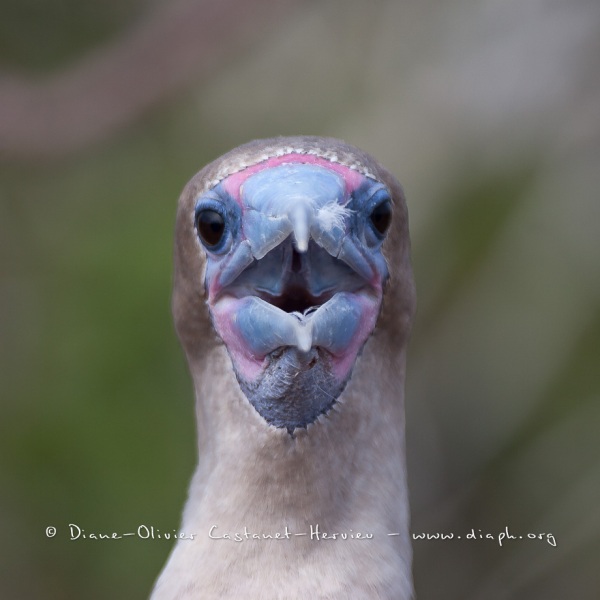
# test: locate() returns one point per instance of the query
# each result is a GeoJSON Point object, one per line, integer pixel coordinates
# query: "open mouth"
{"type": "Point", "coordinates": [296, 299]}
{"type": "Point", "coordinates": [292, 300]}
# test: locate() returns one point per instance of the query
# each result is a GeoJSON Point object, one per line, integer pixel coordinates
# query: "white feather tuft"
{"type": "Point", "coordinates": [333, 215]}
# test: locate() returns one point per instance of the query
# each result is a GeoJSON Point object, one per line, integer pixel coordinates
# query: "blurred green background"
{"type": "Point", "coordinates": [488, 112]}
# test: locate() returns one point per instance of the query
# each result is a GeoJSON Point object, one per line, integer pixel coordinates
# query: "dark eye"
{"type": "Point", "coordinates": [211, 226]}
{"type": "Point", "coordinates": [381, 217]}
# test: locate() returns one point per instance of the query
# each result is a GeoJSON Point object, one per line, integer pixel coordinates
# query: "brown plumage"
{"type": "Point", "coordinates": [343, 473]}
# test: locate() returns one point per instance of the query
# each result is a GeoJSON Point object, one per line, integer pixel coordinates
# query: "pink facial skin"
{"type": "Point", "coordinates": [234, 183]}
{"type": "Point", "coordinates": [250, 363]}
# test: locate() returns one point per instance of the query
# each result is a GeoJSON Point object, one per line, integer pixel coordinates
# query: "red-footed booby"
{"type": "Point", "coordinates": [293, 300]}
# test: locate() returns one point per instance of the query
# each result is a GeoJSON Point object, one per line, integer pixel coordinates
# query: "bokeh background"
{"type": "Point", "coordinates": [489, 113]}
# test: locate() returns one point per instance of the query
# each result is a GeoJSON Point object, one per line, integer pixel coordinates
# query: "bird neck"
{"type": "Point", "coordinates": [321, 514]}
{"type": "Point", "coordinates": [344, 472]}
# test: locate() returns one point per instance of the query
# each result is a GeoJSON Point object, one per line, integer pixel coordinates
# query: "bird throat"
{"type": "Point", "coordinates": [294, 389]}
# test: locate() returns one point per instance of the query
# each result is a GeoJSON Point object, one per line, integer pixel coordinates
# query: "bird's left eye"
{"type": "Point", "coordinates": [211, 227]}
{"type": "Point", "coordinates": [381, 216]}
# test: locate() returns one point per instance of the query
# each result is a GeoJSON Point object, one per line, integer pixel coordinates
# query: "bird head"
{"type": "Point", "coordinates": [285, 248]}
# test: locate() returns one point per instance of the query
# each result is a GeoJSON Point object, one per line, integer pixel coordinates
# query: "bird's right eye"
{"type": "Point", "coordinates": [210, 225]}
{"type": "Point", "coordinates": [381, 216]}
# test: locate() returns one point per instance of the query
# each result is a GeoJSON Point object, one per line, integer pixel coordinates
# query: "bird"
{"type": "Point", "coordinates": [293, 299]}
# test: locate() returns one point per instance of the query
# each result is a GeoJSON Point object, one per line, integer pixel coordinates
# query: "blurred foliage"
{"type": "Point", "coordinates": [40, 36]}
{"type": "Point", "coordinates": [97, 424]}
